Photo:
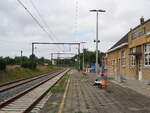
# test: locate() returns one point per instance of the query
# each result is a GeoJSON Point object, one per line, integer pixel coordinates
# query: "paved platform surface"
{"type": "Point", "coordinates": [83, 97]}
{"type": "Point", "coordinates": [136, 85]}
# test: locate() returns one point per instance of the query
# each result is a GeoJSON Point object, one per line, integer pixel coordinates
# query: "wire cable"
{"type": "Point", "coordinates": [38, 23]}
{"type": "Point", "coordinates": [44, 22]}
{"type": "Point", "coordinates": [32, 16]}
{"type": "Point", "coordinates": [40, 16]}
{"type": "Point", "coordinates": [76, 19]}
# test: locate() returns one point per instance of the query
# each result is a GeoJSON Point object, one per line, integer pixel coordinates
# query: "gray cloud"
{"type": "Point", "coordinates": [18, 29]}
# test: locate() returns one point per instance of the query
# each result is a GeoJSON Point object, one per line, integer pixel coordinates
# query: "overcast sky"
{"type": "Point", "coordinates": [67, 21]}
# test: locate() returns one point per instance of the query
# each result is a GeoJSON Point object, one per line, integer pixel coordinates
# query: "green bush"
{"type": "Point", "coordinates": [2, 64]}
{"type": "Point", "coordinates": [28, 64]}
{"type": "Point", "coordinates": [109, 90]}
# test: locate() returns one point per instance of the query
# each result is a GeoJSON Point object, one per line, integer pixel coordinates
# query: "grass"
{"type": "Point", "coordinates": [109, 90]}
{"type": "Point", "coordinates": [16, 73]}
{"type": "Point", "coordinates": [57, 87]}
{"type": "Point", "coordinates": [57, 91]}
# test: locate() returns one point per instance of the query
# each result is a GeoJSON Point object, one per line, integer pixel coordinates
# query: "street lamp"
{"type": "Point", "coordinates": [97, 41]}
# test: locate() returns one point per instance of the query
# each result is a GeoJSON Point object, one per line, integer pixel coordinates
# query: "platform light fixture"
{"type": "Point", "coordinates": [97, 41]}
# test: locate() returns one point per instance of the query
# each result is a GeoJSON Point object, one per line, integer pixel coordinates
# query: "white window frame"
{"type": "Point", "coordinates": [147, 55]}
{"type": "Point", "coordinates": [123, 57]}
{"type": "Point", "coordinates": [113, 62]}
{"type": "Point", "coordinates": [132, 57]}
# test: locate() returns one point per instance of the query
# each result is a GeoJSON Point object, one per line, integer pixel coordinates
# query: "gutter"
{"type": "Point", "coordinates": [118, 47]}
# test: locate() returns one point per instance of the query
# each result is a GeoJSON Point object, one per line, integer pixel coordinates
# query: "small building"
{"type": "Point", "coordinates": [54, 62]}
{"type": "Point", "coordinates": [129, 58]}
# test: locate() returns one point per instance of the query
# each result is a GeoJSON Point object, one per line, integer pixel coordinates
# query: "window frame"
{"type": "Point", "coordinates": [138, 33]}
{"type": "Point", "coordinates": [123, 58]}
{"type": "Point", "coordinates": [147, 52]}
{"type": "Point", "coordinates": [132, 57]}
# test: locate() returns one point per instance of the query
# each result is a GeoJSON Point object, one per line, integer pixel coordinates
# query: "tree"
{"type": "Point", "coordinates": [9, 61]}
{"type": "Point", "coordinates": [24, 58]}
{"type": "Point", "coordinates": [2, 64]}
{"type": "Point", "coordinates": [41, 61]}
{"type": "Point", "coordinates": [17, 60]}
{"type": "Point", "coordinates": [33, 57]}
{"type": "Point", "coordinates": [89, 57]}
{"type": "Point", "coordinates": [29, 64]}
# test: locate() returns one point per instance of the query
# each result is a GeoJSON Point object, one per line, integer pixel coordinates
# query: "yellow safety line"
{"type": "Point", "coordinates": [64, 97]}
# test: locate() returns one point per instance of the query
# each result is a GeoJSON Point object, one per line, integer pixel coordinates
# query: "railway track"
{"type": "Point", "coordinates": [11, 89]}
{"type": "Point", "coordinates": [26, 99]}
{"type": "Point", "coordinates": [12, 84]}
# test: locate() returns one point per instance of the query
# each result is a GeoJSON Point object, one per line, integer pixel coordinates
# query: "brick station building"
{"type": "Point", "coordinates": [129, 58]}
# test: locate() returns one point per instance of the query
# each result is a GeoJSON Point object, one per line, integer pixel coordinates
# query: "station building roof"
{"type": "Point", "coordinates": [124, 40]}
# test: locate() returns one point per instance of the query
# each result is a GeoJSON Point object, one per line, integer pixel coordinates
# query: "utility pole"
{"type": "Point", "coordinates": [32, 57]}
{"type": "Point", "coordinates": [83, 56]}
{"type": "Point", "coordinates": [58, 56]}
{"type": "Point", "coordinates": [79, 56]}
{"type": "Point", "coordinates": [97, 41]}
{"type": "Point", "coordinates": [21, 57]}
{"type": "Point", "coordinates": [83, 59]}
{"type": "Point", "coordinates": [57, 44]}
{"type": "Point", "coordinates": [58, 60]}
{"type": "Point", "coordinates": [52, 58]}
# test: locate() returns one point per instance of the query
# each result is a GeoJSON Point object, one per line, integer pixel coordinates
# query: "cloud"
{"type": "Point", "coordinates": [68, 21]}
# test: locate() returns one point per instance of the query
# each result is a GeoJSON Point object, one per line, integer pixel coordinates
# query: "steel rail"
{"type": "Point", "coordinates": [24, 81]}
{"type": "Point", "coordinates": [41, 97]}
{"type": "Point", "coordinates": [8, 83]}
{"type": "Point", "coordinates": [11, 99]}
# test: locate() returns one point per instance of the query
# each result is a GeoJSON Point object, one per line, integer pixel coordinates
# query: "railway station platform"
{"type": "Point", "coordinates": [83, 97]}
{"type": "Point", "coordinates": [135, 85]}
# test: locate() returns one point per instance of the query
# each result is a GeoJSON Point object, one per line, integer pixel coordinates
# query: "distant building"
{"type": "Point", "coordinates": [54, 62]}
{"type": "Point", "coordinates": [129, 58]}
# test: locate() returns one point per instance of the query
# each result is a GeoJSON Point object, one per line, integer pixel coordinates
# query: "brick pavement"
{"type": "Point", "coordinates": [135, 85]}
{"type": "Point", "coordinates": [83, 97]}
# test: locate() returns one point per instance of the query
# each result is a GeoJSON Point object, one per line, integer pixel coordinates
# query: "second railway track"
{"type": "Point", "coordinates": [23, 101]}
{"type": "Point", "coordinates": [9, 85]}
{"type": "Point", "coordinates": [12, 89]}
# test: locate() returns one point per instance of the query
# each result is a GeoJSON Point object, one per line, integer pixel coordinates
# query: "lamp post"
{"type": "Point", "coordinates": [97, 41]}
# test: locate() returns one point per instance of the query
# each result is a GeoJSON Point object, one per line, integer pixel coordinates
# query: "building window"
{"type": "Point", "coordinates": [147, 54]}
{"type": "Point", "coordinates": [111, 63]}
{"type": "Point", "coordinates": [138, 33]}
{"type": "Point", "coordinates": [132, 58]}
{"type": "Point", "coordinates": [123, 58]}
{"type": "Point", "coordinates": [114, 62]}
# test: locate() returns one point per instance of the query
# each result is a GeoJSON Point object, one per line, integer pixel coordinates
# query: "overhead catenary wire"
{"type": "Point", "coordinates": [40, 16]}
{"type": "Point", "coordinates": [37, 21]}
{"type": "Point", "coordinates": [76, 18]}
{"type": "Point", "coordinates": [46, 25]}
{"type": "Point", "coordinates": [34, 18]}
{"type": "Point", "coordinates": [43, 21]}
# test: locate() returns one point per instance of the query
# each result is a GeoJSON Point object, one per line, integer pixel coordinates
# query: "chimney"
{"type": "Point", "coordinates": [142, 20]}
